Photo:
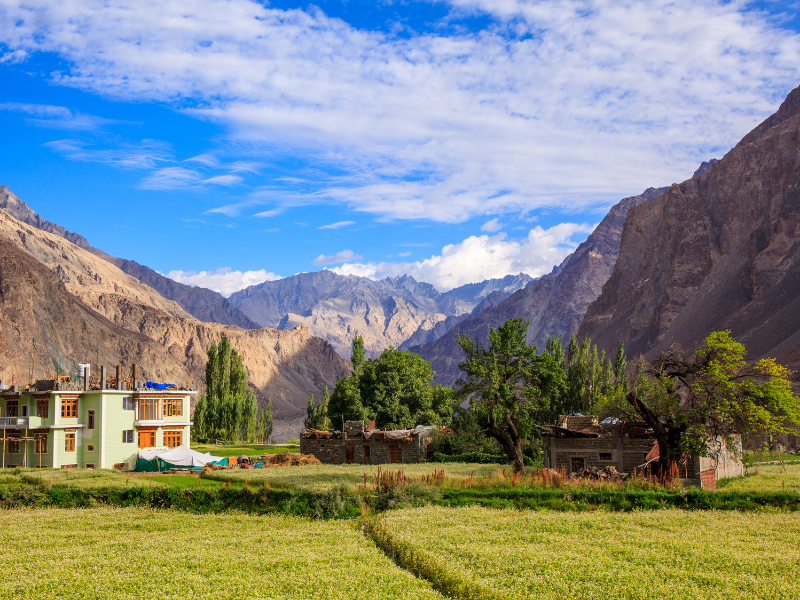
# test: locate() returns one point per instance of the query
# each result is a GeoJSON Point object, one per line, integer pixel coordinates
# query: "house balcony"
{"type": "Point", "coordinates": [14, 422]}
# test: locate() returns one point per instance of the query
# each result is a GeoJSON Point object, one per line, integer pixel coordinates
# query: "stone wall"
{"type": "Point", "coordinates": [329, 452]}
{"type": "Point", "coordinates": [624, 454]}
{"type": "Point", "coordinates": [576, 423]}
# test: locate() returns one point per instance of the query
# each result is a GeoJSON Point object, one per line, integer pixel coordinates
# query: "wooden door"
{"type": "Point", "coordinates": [147, 439]}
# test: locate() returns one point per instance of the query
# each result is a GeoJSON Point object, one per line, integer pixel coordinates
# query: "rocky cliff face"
{"type": "Point", "coordinates": [201, 303]}
{"type": "Point", "coordinates": [76, 307]}
{"type": "Point", "coordinates": [385, 313]}
{"type": "Point", "coordinates": [719, 251]}
{"type": "Point", "coordinates": [555, 304]}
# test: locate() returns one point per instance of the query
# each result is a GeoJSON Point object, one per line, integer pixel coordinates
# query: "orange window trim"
{"type": "Point", "coordinates": [69, 442]}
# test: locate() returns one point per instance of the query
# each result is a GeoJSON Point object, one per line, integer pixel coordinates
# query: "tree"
{"type": "Point", "coordinates": [396, 390]}
{"type": "Point", "coordinates": [199, 419]}
{"type": "Point", "coordinates": [695, 402]}
{"type": "Point", "coordinates": [227, 406]}
{"type": "Point", "coordinates": [590, 376]}
{"type": "Point", "coordinates": [509, 385]}
{"type": "Point", "coordinates": [264, 424]}
{"type": "Point", "coordinates": [358, 355]}
{"type": "Point", "coordinates": [317, 415]}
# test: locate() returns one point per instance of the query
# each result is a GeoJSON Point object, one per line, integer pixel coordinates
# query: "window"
{"type": "Point", "coordinates": [69, 408]}
{"type": "Point", "coordinates": [43, 408]}
{"type": "Point", "coordinates": [173, 407]}
{"type": "Point", "coordinates": [69, 442]}
{"type": "Point", "coordinates": [127, 403]}
{"type": "Point", "coordinates": [89, 466]}
{"type": "Point", "coordinates": [69, 466]}
{"type": "Point", "coordinates": [173, 439]}
{"type": "Point", "coordinates": [25, 410]}
{"type": "Point", "coordinates": [127, 436]}
{"type": "Point", "coordinates": [148, 409]}
{"type": "Point", "coordinates": [11, 408]}
{"type": "Point", "coordinates": [13, 447]}
{"type": "Point", "coordinates": [90, 419]}
{"type": "Point", "coordinates": [367, 455]}
{"type": "Point", "coordinates": [348, 454]}
{"type": "Point", "coordinates": [90, 448]}
{"type": "Point", "coordinates": [41, 444]}
{"type": "Point", "coordinates": [395, 454]}
{"type": "Point", "coordinates": [605, 455]}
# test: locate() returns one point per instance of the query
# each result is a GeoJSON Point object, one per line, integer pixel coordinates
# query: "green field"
{"type": "Point", "coordinates": [324, 477]}
{"type": "Point", "coordinates": [765, 478]}
{"type": "Point", "coordinates": [246, 449]}
{"type": "Point", "coordinates": [482, 553]}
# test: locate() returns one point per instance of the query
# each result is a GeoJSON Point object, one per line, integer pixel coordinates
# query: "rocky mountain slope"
{"type": "Point", "coordinates": [385, 313]}
{"type": "Point", "coordinates": [555, 304]}
{"type": "Point", "coordinates": [719, 251]}
{"type": "Point", "coordinates": [80, 308]}
{"type": "Point", "coordinates": [201, 303]}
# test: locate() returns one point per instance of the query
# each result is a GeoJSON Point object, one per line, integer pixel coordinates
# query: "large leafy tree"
{"type": "Point", "coordinates": [317, 413]}
{"type": "Point", "coordinates": [509, 385]}
{"type": "Point", "coordinates": [695, 401]}
{"type": "Point", "coordinates": [395, 389]}
{"type": "Point", "coordinates": [264, 424]}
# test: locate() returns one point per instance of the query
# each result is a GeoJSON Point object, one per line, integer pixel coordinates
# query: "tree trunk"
{"type": "Point", "coordinates": [510, 441]}
{"type": "Point", "coordinates": [665, 457]}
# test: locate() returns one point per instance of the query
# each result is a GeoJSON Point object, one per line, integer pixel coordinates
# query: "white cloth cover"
{"type": "Point", "coordinates": [180, 455]}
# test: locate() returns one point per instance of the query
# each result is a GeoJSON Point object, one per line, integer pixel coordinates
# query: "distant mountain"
{"type": "Point", "coordinates": [201, 303]}
{"type": "Point", "coordinates": [553, 304]}
{"type": "Point", "coordinates": [385, 313]}
{"type": "Point", "coordinates": [60, 304]}
{"type": "Point", "coordinates": [719, 251]}
{"type": "Point", "coordinates": [705, 166]}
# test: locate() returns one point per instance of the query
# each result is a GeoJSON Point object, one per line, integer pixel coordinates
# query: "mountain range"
{"type": "Point", "coordinates": [718, 251]}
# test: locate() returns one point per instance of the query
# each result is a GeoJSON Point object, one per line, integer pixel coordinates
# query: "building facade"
{"type": "Point", "coordinates": [90, 428]}
{"type": "Point", "coordinates": [357, 444]}
{"type": "Point", "coordinates": [579, 442]}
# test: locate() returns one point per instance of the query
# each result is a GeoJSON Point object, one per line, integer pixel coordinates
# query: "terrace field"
{"type": "Point", "coordinates": [133, 553]}
{"type": "Point", "coordinates": [483, 553]}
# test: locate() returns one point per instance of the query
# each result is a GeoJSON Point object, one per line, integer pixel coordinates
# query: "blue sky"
{"type": "Point", "coordinates": [224, 142]}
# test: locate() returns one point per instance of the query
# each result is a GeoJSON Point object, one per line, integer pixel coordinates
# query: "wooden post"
{"type": "Point", "coordinates": [25, 451]}
{"type": "Point", "coordinates": [4, 449]}
{"type": "Point", "coordinates": [40, 453]}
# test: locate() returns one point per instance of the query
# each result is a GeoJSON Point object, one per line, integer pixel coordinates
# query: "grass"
{"type": "Point", "coordinates": [73, 478]}
{"type": "Point", "coordinates": [183, 481]}
{"type": "Point", "coordinates": [765, 478]}
{"type": "Point", "coordinates": [132, 553]}
{"type": "Point", "coordinates": [247, 449]}
{"type": "Point", "coordinates": [768, 456]}
{"type": "Point", "coordinates": [476, 552]}
{"type": "Point", "coordinates": [319, 478]}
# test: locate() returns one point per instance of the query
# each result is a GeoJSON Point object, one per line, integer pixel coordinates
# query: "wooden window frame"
{"type": "Point", "coordinates": [602, 456]}
{"type": "Point", "coordinates": [90, 448]}
{"type": "Point", "coordinates": [173, 407]}
{"type": "Point", "coordinates": [13, 447]}
{"type": "Point", "coordinates": [69, 443]}
{"type": "Point", "coordinates": [90, 466]}
{"type": "Point", "coordinates": [67, 467]}
{"type": "Point", "coordinates": [69, 408]}
{"type": "Point", "coordinates": [395, 454]}
{"type": "Point", "coordinates": [367, 454]}
{"type": "Point", "coordinates": [43, 408]}
{"type": "Point", "coordinates": [128, 436]}
{"type": "Point", "coordinates": [89, 419]}
{"type": "Point", "coordinates": [40, 444]}
{"type": "Point", "coordinates": [170, 435]}
{"type": "Point", "coordinates": [12, 406]}
{"type": "Point", "coordinates": [148, 409]}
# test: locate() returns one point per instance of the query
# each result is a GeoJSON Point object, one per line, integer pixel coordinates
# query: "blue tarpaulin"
{"type": "Point", "coordinates": [151, 385]}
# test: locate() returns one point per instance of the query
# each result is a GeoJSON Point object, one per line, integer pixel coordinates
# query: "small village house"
{"type": "Point", "coordinates": [94, 423]}
{"type": "Point", "coordinates": [579, 442]}
{"type": "Point", "coordinates": [360, 444]}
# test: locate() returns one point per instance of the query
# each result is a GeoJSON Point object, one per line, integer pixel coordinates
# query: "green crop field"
{"type": "Point", "coordinates": [484, 553]}
{"type": "Point", "coordinates": [131, 553]}
{"type": "Point", "coordinates": [75, 478]}
{"type": "Point", "coordinates": [765, 478]}
{"type": "Point", "coordinates": [246, 449]}
{"type": "Point", "coordinates": [325, 477]}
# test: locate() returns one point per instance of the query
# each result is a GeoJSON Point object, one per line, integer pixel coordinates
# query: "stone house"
{"type": "Point", "coordinates": [579, 442]}
{"type": "Point", "coordinates": [357, 444]}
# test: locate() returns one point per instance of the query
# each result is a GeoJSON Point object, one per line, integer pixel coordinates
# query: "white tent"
{"type": "Point", "coordinates": [181, 456]}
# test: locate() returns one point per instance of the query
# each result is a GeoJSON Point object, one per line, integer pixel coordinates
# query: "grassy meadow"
{"type": "Point", "coordinates": [476, 552]}
{"type": "Point", "coordinates": [765, 478]}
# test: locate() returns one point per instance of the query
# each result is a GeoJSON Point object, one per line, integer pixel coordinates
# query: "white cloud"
{"type": "Point", "coordinates": [339, 257]}
{"type": "Point", "coordinates": [404, 253]}
{"type": "Point", "coordinates": [57, 117]}
{"type": "Point", "coordinates": [270, 213]}
{"type": "Point", "coordinates": [337, 225]}
{"type": "Point", "coordinates": [492, 226]}
{"type": "Point", "coordinates": [482, 257]}
{"type": "Point", "coordinates": [39, 110]}
{"type": "Point", "coordinates": [170, 178]}
{"type": "Point", "coordinates": [227, 180]}
{"type": "Point", "coordinates": [556, 103]}
{"type": "Point", "coordinates": [147, 154]}
{"type": "Point", "coordinates": [226, 281]}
